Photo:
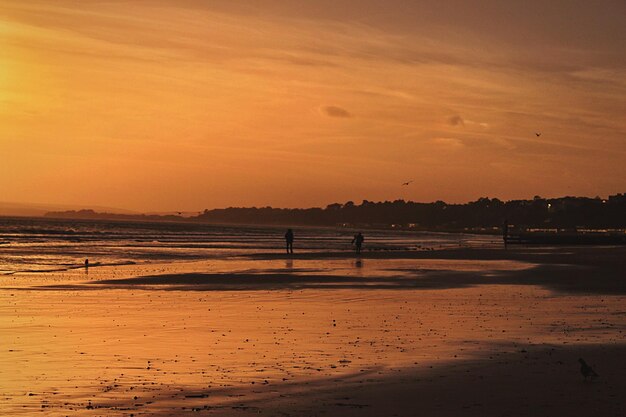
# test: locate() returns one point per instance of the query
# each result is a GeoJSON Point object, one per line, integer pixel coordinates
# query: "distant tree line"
{"type": "Point", "coordinates": [88, 214]}
{"type": "Point", "coordinates": [484, 213]}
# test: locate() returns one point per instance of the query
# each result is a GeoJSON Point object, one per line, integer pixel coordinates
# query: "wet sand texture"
{"type": "Point", "coordinates": [476, 333]}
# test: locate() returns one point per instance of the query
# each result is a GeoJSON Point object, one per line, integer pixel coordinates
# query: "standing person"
{"type": "Point", "coordinates": [289, 240]}
{"type": "Point", "coordinates": [358, 242]}
{"type": "Point", "coordinates": [505, 232]}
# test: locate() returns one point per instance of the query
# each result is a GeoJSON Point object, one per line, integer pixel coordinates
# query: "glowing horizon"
{"type": "Point", "coordinates": [159, 105]}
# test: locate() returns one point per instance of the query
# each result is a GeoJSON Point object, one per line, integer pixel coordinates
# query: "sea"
{"type": "Point", "coordinates": [41, 245]}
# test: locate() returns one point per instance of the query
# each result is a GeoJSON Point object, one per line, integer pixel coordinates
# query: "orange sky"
{"type": "Point", "coordinates": [159, 105]}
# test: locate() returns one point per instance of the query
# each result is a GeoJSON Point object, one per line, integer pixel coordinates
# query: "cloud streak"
{"type": "Point", "coordinates": [336, 111]}
{"type": "Point", "coordinates": [456, 120]}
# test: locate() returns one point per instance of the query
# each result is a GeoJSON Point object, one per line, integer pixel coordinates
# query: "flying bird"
{"type": "Point", "coordinates": [407, 183]}
{"type": "Point", "coordinates": [586, 370]}
{"type": "Point", "coordinates": [537, 134]}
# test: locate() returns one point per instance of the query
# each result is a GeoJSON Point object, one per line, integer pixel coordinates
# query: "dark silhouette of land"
{"type": "Point", "coordinates": [484, 214]}
{"type": "Point", "coordinates": [566, 220]}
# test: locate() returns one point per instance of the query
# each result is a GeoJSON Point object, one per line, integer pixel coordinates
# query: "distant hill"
{"type": "Point", "coordinates": [482, 214]}
{"type": "Point", "coordinates": [89, 214]}
{"type": "Point", "coordinates": [39, 210]}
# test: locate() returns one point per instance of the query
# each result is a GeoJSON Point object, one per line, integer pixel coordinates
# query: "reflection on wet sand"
{"type": "Point", "coordinates": [289, 265]}
{"type": "Point", "coordinates": [304, 336]}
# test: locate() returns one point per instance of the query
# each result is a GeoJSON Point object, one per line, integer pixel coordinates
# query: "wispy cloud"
{"type": "Point", "coordinates": [448, 143]}
{"type": "Point", "coordinates": [336, 111]}
{"type": "Point", "coordinates": [456, 120]}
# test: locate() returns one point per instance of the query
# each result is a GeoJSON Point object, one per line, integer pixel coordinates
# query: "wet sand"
{"type": "Point", "coordinates": [434, 333]}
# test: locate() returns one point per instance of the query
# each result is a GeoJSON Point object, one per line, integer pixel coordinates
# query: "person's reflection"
{"type": "Point", "coordinates": [289, 264]}
{"type": "Point", "coordinates": [358, 263]}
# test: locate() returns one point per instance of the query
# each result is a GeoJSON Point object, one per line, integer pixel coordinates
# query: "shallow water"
{"type": "Point", "coordinates": [42, 245]}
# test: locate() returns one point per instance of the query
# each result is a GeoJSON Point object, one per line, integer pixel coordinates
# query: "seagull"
{"type": "Point", "coordinates": [407, 183]}
{"type": "Point", "coordinates": [537, 134]}
{"type": "Point", "coordinates": [587, 371]}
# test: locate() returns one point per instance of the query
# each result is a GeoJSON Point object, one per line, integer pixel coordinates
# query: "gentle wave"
{"type": "Point", "coordinates": [43, 245]}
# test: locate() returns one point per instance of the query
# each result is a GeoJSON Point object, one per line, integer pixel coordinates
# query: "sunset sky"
{"type": "Point", "coordinates": [157, 105]}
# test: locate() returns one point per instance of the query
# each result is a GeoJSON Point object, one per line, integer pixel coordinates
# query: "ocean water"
{"type": "Point", "coordinates": [49, 245]}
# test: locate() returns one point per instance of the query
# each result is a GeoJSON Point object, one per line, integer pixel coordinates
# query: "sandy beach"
{"type": "Point", "coordinates": [477, 332]}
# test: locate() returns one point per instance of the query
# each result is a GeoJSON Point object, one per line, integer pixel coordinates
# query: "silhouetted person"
{"type": "Point", "coordinates": [505, 232]}
{"type": "Point", "coordinates": [358, 242]}
{"type": "Point", "coordinates": [289, 240]}
{"type": "Point", "coordinates": [86, 263]}
{"type": "Point", "coordinates": [586, 370]}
